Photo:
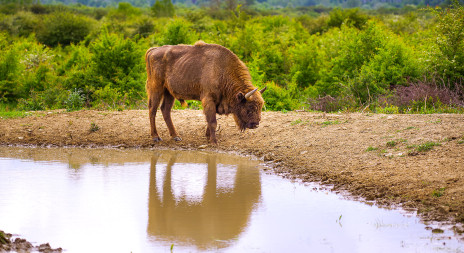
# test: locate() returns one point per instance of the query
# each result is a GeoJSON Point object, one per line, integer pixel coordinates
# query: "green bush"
{"type": "Point", "coordinates": [35, 102]}
{"type": "Point", "coordinates": [177, 32]}
{"type": "Point", "coordinates": [351, 17]}
{"type": "Point", "coordinates": [20, 24]}
{"type": "Point", "coordinates": [305, 63]}
{"type": "Point", "coordinates": [449, 58]}
{"type": "Point", "coordinates": [278, 98]}
{"type": "Point", "coordinates": [163, 8]}
{"type": "Point", "coordinates": [107, 98]}
{"type": "Point", "coordinates": [75, 101]}
{"type": "Point", "coordinates": [9, 69]}
{"type": "Point", "coordinates": [63, 28]}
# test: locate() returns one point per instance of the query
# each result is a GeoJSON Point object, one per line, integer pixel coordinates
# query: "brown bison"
{"type": "Point", "coordinates": [209, 73]}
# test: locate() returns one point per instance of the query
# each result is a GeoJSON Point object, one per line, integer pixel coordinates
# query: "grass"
{"type": "Point", "coordinates": [427, 146]}
{"type": "Point", "coordinates": [461, 141]}
{"type": "Point", "coordinates": [13, 114]}
{"type": "Point", "coordinates": [371, 149]}
{"type": "Point", "coordinates": [438, 192]}
{"type": "Point", "coordinates": [94, 127]}
{"type": "Point", "coordinates": [299, 121]}
{"type": "Point", "coordinates": [296, 122]}
{"type": "Point", "coordinates": [329, 122]}
{"type": "Point", "coordinates": [391, 144]}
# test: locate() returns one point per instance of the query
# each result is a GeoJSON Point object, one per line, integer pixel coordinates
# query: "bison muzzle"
{"type": "Point", "coordinates": [209, 73]}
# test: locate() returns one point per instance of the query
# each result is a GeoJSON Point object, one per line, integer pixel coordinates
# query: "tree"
{"type": "Point", "coordinates": [163, 8]}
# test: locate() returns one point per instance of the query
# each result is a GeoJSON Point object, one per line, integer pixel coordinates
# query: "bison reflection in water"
{"type": "Point", "coordinates": [212, 218]}
{"type": "Point", "coordinates": [209, 73]}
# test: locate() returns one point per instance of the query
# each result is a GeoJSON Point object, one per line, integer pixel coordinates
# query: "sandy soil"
{"type": "Point", "coordinates": [371, 156]}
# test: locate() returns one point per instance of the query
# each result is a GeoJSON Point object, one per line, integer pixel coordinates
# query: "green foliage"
{"type": "Point", "coordinates": [118, 62]}
{"type": "Point", "coordinates": [449, 58]}
{"type": "Point", "coordinates": [427, 146]}
{"type": "Point", "coordinates": [278, 99]}
{"type": "Point", "coordinates": [369, 149]}
{"type": "Point", "coordinates": [33, 103]}
{"type": "Point", "coordinates": [63, 28]}
{"type": "Point", "coordinates": [9, 69]}
{"type": "Point", "coordinates": [388, 109]}
{"type": "Point", "coordinates": [144, 27]}
{"type": "Point", "coordinates": [350, 17]}
{"type": "Point", "coordinates": [369, 62]}
{"type": "Point", "coordinates": [316, 57]}
{"type": "Point", "coordinates": [107, 98]}
{"type": "Point", "coordinates": [178, 32]}
{"type": "Point", "coordinates": [391, 144]}
{"type": "Point", "coordinates": [94, 127]}
{"type": "Point", "coordinates": [163, 8]}
{"type": "Point", "coordinates": [75, 101]}
{"type": "Point", "coordinates": [438, 193]}
{"type": "Point", "coordinates": [20, 24]}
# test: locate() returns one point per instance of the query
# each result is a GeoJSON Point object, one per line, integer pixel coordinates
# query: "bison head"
{"type": "Point", "coordinates": [247, 111]}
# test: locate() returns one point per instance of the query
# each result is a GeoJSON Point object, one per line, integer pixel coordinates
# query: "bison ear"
{"type": "Point", "coordinates": [240, 97]}
{"type": "Point", "coordinates": [263, 90]}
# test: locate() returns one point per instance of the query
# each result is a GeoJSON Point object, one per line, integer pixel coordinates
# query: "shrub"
{"type": "Point", "coordinates": [118, 62]}
{"type": "Point", "coordinates": [163, 8]}
{"type": "Point", "coordinates": [449, 58]}
{"type": "Point", "coordinates": [351, 17]}
{"type": "Point", "coordinates": [428, 95]}
{"type": "Point", "coordinates": [305, 63]}
{"type": "Point", "coordinates": [369, 62]}
{"type": "Point", "coordinates": [278, 98]}
{"type": "Point", "coordinates": [177, 32]}
{"type": "Point", "coordinates": [33, 103]}
{"type": "Point", "coordinates": [9, 69]}
{"type": "Point", "coordinates": [144, 27]}
{"type": "Point", "coordinates": [63, 28]}
{"type": "Point", "coordinates": [20, 24]}
{"type": "Point", "coordinates": [75, 101]}
{"type": "Point", "coordinates": [107, 98]}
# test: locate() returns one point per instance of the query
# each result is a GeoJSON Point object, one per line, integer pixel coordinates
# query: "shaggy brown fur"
{"type": "Point", "coordinates": [209, 73]}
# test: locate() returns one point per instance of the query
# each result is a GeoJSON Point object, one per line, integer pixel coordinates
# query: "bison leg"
{"type": "Point", "coordinates": [166, 106]}
{"type": "Point", "coordinates": [154, 99]}
{"type": "Point", "coordinates": [209, 109]}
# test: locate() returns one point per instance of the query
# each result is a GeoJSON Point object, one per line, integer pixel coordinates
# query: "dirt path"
{"type": "Point", "coordinates": [373, 156]}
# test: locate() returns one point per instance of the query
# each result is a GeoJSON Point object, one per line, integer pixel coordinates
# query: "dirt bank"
{"type": "Point", "coordinates": [413, 160]}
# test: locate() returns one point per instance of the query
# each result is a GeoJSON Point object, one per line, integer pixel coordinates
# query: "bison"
{"type": "Point", "coordinates": [209, 73]}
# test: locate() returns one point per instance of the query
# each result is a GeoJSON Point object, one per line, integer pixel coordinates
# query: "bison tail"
{"type": "Point", "coordinates": [183, 103]}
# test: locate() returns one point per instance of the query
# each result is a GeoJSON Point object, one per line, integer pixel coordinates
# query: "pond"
{"type": "Point", "coordinates": [109, 200]}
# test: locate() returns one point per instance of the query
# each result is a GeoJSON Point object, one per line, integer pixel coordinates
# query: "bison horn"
{"type": "Point", "coordinates": [263, 90]}
{"type": "Point", "coordinates": [248, 95]}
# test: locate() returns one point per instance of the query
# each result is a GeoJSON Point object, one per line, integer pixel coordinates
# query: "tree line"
{"type": "Point", "coordinates": [408, 60]}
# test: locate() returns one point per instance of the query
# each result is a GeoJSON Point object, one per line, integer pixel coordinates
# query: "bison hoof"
{"type": "Point", "coordinates": [177, 138]}
{"type": "Point", "coordinates": [157, 139]}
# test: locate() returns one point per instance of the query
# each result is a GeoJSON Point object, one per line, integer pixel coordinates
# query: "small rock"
{"type": "Point", "coordinates": [20, 137]}
{"type": "Point", "coordinates": [303, 152]}
{"type": "Point", "coordinates": [444, 209]}
{"type": "Point", "coordinates": [437, 231]}
{"type": "Point", "coordinates": [202, 146]}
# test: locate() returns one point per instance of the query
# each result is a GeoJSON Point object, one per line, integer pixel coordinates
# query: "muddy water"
{"type": "Point", "coordinates": [91, 200]}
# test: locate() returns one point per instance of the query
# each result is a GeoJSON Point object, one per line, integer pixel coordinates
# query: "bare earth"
{"type": "Point", "coordinates": [329, 148]}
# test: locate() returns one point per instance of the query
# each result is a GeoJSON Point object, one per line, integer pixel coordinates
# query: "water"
{"type": "Point", "coordinates": [91, 200]}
